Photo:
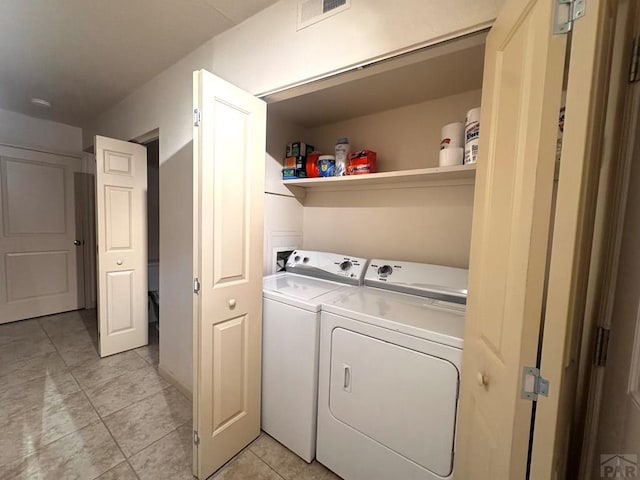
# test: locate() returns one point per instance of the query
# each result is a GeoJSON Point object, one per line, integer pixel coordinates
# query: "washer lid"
{"type": "Point", "coordinates": [298, 286]}
{"type": "Point", "coordinates": [427, 318]}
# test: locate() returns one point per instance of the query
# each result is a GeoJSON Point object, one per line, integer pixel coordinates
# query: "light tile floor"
{"type": "Point", "coordinates": [67, 414]}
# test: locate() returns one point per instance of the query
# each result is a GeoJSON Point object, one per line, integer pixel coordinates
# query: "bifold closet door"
{"type": "Point", "coordinates": [522, 86]}
{"type": "Point", "coordinates": [41, 257]}
{"type": "Point", "coordinates": [512, 261]}
{"type": "Point", "coordinates": [229, 163]}
{"type": "Point", "coordinates": [121, 232]}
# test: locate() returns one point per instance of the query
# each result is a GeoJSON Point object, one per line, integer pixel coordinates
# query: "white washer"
{"type": "Point", "coordinates": [390, 358]}
{"type": "Point", "coordinates": [290, 343]}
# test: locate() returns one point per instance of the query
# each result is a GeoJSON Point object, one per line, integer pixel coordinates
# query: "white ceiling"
{"type": "Point", "coordinates": [85, 55]}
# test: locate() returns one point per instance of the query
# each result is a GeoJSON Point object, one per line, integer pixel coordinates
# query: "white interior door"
{"type": "Point", "coordinates": [522, 88]}
{"type": "Point", "coordinates": [121, 232]}
{"type": "Point", "coordinates": [41, 257]}
{"type": "Point", "coordinates": [229, 163]}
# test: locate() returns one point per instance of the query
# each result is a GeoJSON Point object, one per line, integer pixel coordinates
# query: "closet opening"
{"type": "Point", "coordinates": [153, 233]}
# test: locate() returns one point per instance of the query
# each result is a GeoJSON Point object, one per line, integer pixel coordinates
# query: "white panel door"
{"type": "Point", "coordinates": [229, 163]}
{"type": "Point", "coordinates": [121, 232]}
{"type": "Point", "coordinates": [522, 87]}
{"type": "Point", "coordinates": [41, 257]}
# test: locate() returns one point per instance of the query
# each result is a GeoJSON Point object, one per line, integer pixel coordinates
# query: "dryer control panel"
{"type": "Point", "coordinates": [329, 266]}
{"type": "Point", "coordinates": [423, 279]}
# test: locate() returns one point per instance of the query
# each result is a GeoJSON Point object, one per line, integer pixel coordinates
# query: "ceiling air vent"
{"type": "Point", "coordinates": [312, 11]}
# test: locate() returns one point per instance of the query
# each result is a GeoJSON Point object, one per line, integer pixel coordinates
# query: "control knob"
{"type": "Point", "coordinates": [385, 270]}
{"type": "Point", "coordinates": [346, 265]}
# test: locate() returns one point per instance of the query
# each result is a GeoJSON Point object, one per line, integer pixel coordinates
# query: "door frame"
{"type": "Point", "coordinates": [606, 289]}
{"type": "Point", "coordinates": [89, 231]}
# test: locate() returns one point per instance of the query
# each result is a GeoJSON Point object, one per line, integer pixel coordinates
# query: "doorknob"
{"type": "Point", "coordinates": [118, 262]}
{"type": "Point", "coordinates": [77, 243]}
{"type": "Point", "coordinates": [232, 303]}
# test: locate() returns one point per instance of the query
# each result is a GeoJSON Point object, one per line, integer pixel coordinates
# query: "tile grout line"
{"type": "Point", "coordinates": [82, 390]}
{"type": "Point", "coordinates": [101, 420]}
{"type": "Point", "coordinates": [143, 358]}
{"type": "Point", "coordinates": [235, 458]}
{"type": "Point", "coordinates": [153, 443]}
{"type": "Point", "coordinates": [69, 367]}
{"type": "Point", "coordinates": [42, 447]}
{"type": "Point", "coordinates": [126, 459]}
{"type": "Point", "coordinates": [263, 461]}
{"type": "Point", "coordinates": [56, 349]}
{"type": "Point", "coordinates": [35, 355]}
{"type": "Point", "coordinates": [100, 417]}
{"type": "Point", "coordinates": [127, 406]}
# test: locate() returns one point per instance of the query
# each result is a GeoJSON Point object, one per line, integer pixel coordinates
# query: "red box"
{"type": "Point", "coordinates": [362, 162]}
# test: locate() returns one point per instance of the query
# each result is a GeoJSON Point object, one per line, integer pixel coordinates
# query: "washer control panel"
{"type": "Point", "coordinates": [423, 279]}
{"type": "Point", "coordinates": [330, 266]}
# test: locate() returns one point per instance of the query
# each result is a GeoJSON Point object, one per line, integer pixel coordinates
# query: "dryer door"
{"type": "Point", "coordinates": [403, 399]}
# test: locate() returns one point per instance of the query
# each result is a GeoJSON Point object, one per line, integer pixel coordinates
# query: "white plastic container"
{"type": "Point", "coordinates": [471, 135]}
{"type": "Point", "coordinates": [452, 136]}
{"type": "Point", "coordinates": [342, 154]}
{"type": "Point", "coordinates": [451, 156]}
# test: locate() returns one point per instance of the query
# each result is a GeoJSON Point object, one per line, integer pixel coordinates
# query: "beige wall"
{"type": "Point", "coordinates": [268, 43]}
{"type": "Point", "coordinates": [22, 130]}
{"type": "Point", "coordinates": [165, 103]}
{"type": "Point", "coordinates": [423, 224]}
{"type": "Point", "coordinates": [404, 138]}
{"type": "Point", "coordinates": [279, 132]}
{"type": "Point", "coordinates": [282, 211]}
{"type": "Point", "coordinates": [262, 54]}
{"type": "Point", "coordinates": [420, 224]}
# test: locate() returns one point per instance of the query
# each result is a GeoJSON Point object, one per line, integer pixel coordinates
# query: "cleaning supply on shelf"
{"type": "Point", "coordinates": [298, 149]}
{"type": "Point", "coordinates": [342, 155]}
{"type": "Point", "coordinates": [471, 135]}
{"type": "Point", "coordinates": [451, 156]}
{"type": "Point", "coordinates": [289, 174]}
{"type": "Point", "coordinates": [326, 165]}
{"type": "Point", "coordinates": [294, 162]}
{"type": "Point", "coordinates": [362, 162]}
{"type": "Point", "coordinates": [452, 136]}
{"type": "Point", "coordinates": [312, 165]}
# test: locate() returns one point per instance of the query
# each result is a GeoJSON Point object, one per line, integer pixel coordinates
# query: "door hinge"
{"type": "Point", "coordinates": [567, 12]}
{"type": "Point", "coordinates": [602, 347]}
{"type": "Point", "coordinates": [634, 75]}
{"type": "Point", "coordinates": [196, 286]}
{"type": "Point", "coordinates": [196, 117]}
{"type": "Point", "coordinates": [196, 438]}
{"type": "Point", "coordinates": [533, 384]}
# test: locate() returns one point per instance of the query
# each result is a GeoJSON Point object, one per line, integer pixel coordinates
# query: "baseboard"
{"type": "Point", "coordinates": [168, 376]}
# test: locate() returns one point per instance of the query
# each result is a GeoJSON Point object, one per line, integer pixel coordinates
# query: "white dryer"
{"type": "Point", "coordinates": [390, 357]}
{"type": "Point", "coordinates": [290, 343]}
